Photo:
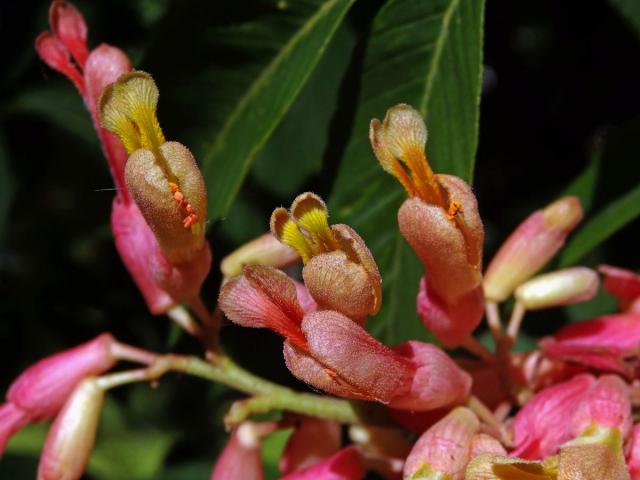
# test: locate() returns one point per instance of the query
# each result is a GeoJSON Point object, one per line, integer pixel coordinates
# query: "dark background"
{"type": "Point", "coordinates": [560, 77]}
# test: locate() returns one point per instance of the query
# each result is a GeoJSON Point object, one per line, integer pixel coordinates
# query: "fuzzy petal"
{"type": "Point", "coordinates": [438, 381]}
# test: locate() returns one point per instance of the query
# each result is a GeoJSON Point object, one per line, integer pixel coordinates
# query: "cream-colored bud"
{"type": "Point", "coordinates": [263, 250]}
{"type": "Point", "coordinates": [563, 287]}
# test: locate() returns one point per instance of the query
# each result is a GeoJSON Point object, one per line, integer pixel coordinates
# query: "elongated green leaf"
{"type": "Point", "coordinates": [259, 111]}
{"type": "Point", "coordinates": [630, 11]}
{"type": "Point", "coordinates": [427, 54]}
{"type": "Point", "coordinates": [602, 226]}
{"type": "Point", "coordinates": [584, 185]}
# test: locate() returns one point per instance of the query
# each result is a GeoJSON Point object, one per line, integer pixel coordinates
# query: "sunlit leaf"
{"type": "Point", "coordinates": [427, 54]}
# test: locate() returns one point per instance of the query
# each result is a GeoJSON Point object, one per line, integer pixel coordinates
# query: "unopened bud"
{"type": "Point", "coordinates": [530, 247]}
{"type": "Point", "coordinates": [443, 451]}
{"type": "Point", "coordinates": [163, 177]}
{"type": "Point", "coordinates": [72, 435]}
{"type": "Point", "coordinates": [563, 287]}
{"type": "Point", "coordinates": [263, 250]}
{"type": "Point", "coordinates": [69, 26]}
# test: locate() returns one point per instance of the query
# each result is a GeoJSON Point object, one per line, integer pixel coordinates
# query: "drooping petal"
{"type": "Point", "coordinates": [450, 323]}
{"type": "Point", "coordinates": [541, 426]}
{"type": "Point", "coordinates": [438, 381]}
{"type": "Point", "coordinates": [312, 440]}
{"type": "Point", "coordinates": [12, 419]}
{"type": "Point", "coordinates": [602, 343]}
{"type": "Point", "coordinates": [343, 465]}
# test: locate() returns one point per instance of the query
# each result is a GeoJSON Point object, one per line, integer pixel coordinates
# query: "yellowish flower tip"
{"type": "Point", "coordinates": [399, 144]}
{"type": "Point", "coordinates": [306, 229]}
{"type": "Point", "coordinates": [565, 213]}
{"type": "Point", "coordinates": [128, 108]}
{"type": "Point", "coordinates": [598, 434]}
{"type": "Point", "coordinates": [427, 472]}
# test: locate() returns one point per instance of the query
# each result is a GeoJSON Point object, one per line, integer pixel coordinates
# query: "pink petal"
{"type": "Point", "coordinates": [53, 53]}
{"type": "Point", "coordinates": [264, 297]}
{"type": "Point", "coordinates": [12, 419]}
{"type": "Point", "coordinates": [438, 381]}
{"type": "Point", "coordinates": [346, 348]}
{"type": "Point", "coordinates": [42, 389]}
{"type": "Point", "coordinates": [542, 425]}
{"type": "Point", "coordinates": [68, 25]}
{"type": "Point", "coordinates": [344, 465]}
{"type": "Point", "coordinates": [312, 440]}
{"type": "Point", "coordinates": [633, 457]}
{"type": "Point", "coordinates": [305, 299]}
{"type": "Point", "coordinates": [450, 323]}
{"type": "Point", "coordinates": [622, 284]}
{"type": "Point", "coordinates": [137, 245]}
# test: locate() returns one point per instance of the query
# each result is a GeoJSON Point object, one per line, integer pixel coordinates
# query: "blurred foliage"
{"type": "Point", "coordinates": [274, 97]}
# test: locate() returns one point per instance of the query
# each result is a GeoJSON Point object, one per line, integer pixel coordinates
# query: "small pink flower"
{"type": "Point", "coordinates": [241, 458]}
{"type": "Point", "coordinates": [71, 437]}
{"type": "Point", "coordinates": [343, 465]}
{"type": "Point", "coordinates": [543, 424]}
{"type": "Point", "coordinates": [624, 285]}
{"type": "Point", "coordinates": [312, 440]}
{"type": "Point", "coordinates": [605, 343]}
{"type": "Point", "coordinates": [41, 390]}
{"type": "Point", "coordinates": [320, 347]}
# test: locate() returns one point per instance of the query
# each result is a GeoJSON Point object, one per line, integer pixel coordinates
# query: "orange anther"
{"type": "Point", "coordinates": [454, 208]}
{"type": "Point", "coordinates": [173, 187]}
{"type": "Point", "coordinates": [178, 196]}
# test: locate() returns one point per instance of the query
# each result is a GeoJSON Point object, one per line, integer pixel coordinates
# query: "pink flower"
{"type": "Point", "coordinates": [605, 343]}
{"type": "Point", "coordinates": [312, 440]}
{"type": "Point", "coordinates": [320, 347]}
{"type": "Point", "coordinates": [624, 285]}
{"type": "Point", "coordinates": [343, 465]}
{"type": "Point", "coordinates": [241, 458]}
{"type": "Point", "coordinates": [72, 435]}
{"type": "Point", "coordinates": [543, 424]}
{"type": "Point", "coordinates": [41, 390]}
{"type": "Point", "coordinates": [162, 283]}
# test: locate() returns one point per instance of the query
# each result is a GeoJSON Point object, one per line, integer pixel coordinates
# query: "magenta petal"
{"type": "Point", "coordinates": [438, 381]}
{"type": "Point", "coordinates": [344, 465]}
{"type": "Point", "coordinates": [542, 425]}
{"type": "Point", "coordinates": [346, 348]}
{"type": "Point", "coordinates": [12, 419]}
{"type": "Point", "coordinates": [43, 388]}
{"type": "Point", "coordinates": [451, 324]}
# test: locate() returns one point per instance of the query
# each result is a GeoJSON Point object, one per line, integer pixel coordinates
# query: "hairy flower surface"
{"type": "Point", "coordinates": [440, 221]}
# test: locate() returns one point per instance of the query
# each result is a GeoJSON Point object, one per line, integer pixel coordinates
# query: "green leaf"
{"type": "Point", "coordinates": [584, 185]}
{"type": "Point", "coordinates": [630, 11]}
{"type": "Point", "coordinates": [602, 226]}
{"type": "Point", "coordinates": [272, 449]}
{"type": "Point", "coordinates": [427, 54]}
{"type": "Point", "coordinates": [258, 112]}
{"type": "Point", "coordinates": [297, 147]}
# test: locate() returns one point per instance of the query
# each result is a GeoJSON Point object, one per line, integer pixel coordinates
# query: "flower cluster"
{"type": "Point", "coordinates": [564, 411]}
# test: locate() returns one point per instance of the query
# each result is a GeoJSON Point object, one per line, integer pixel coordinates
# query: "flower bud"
{"type": "Point", "coordinates": [241, 457]}
{"type": "Point", "coordinates": [530, 247]}
{"type": "Point", "coordinates": [444, 450]}
{"type": "Point", "coordinates": [339, 270]}
{"type": "Point", "coordinates": [562, 287]}
{"type": "Point", "coordinates": [68, 25]}
{"type": "Point", "coordinates": [162, 177]}
{"type": "Point", "coordinates": [263, 250]}
{"type": "Point", "coordinates": [343, 465]}
{"type": "Point", "coordinates": [71, 437]}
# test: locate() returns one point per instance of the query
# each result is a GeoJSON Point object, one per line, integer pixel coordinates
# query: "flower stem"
{"type": "Point", "coordinates": [184, 320]}
{"type": "Point", "coordinates": [515, 321]}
